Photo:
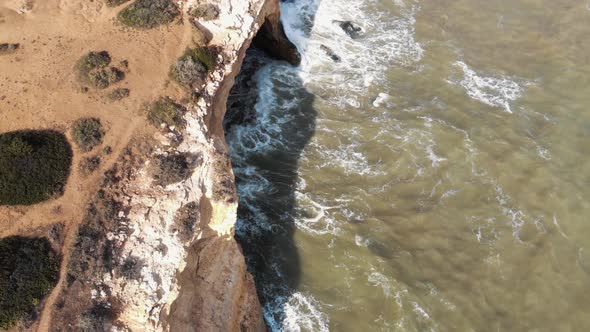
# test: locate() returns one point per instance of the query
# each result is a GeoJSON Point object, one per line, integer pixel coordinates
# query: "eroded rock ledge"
{"type": "Point", "coordinates": [152, 257]}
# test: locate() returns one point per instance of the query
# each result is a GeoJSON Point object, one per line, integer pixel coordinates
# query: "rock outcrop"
{"type": "Point", "coordinates": [274, 41]}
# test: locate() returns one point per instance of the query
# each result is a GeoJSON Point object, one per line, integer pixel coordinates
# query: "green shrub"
{"type": "Point", "coordinates": [206, 55]}
{"type": "Point", "coordinates": [147, 14]}
{"type": "Point", "coordinates": [102, 78]}
{"type": "Point", "coordinates": [205, 11]}
{"type": "Point", "coordinates": [119, 94]}
{"type": "Point", "coordinates": [93, 69]}
{"type": "Point", "coordinates": [93, 60]}
{"type": "Point", "coordinates": [166, 111]}
{"type": "Point", "coordinates": [29, 270]}
{"type": "Point", "coordinates": [115, 3]}
{"type": "Point", "coordinates": [87, 133]}
{"type": "Point", "coordinates": [34, 166]}
{"type": "Point", "coordinates": [191, 68]}
{"type": "Point", "coordinates": [173, 168]}
{"type": "Point", "coordinates": [188, 71]}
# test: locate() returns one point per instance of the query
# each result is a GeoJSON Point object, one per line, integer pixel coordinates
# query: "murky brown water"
{"type": "Point", "coordinates": [446, 186]}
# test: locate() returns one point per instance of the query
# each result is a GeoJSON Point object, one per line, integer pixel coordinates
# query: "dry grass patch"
{"type": "Point", "coordinates": [148, 14]}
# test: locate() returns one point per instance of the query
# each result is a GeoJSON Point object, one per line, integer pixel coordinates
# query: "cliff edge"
{"type": "Point", "coordinates": [144, 223]}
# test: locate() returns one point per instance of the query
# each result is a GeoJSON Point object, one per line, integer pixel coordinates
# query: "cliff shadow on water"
{"type": "Point", "coordinates": [270, 119]}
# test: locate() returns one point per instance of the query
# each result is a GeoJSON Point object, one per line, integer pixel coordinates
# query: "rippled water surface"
{"type": "Point", "coordinates": [437, 178]}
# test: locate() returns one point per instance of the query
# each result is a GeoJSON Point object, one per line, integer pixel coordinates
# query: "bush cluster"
{"type": "Point", "coordinates": [103, 78]}
{"type": "Point", "coordinates": [119, 94]}
{"type": "Point", "coordinates": [29, 270]}
{"type": "Point", "coordinates": [87, 133]}
{"type": "Point", "coordinates": [93, 69]}
{"type": "Point", "coordinates": [115, 3]}
{"type": "Point", "coordinates": [94, 60]}
{"type": "Point", "coordinates": [148, 14]}
{"type": "Point", "coordinates": [174, 168]}
{"type": "Point", "coordinates": [34, 166]}
{"type": "Point", "coordinates": [166, 111]}
{"type": "Point", "coordinates": [192, 67]}
{"type": "Point", "coordinates": [206, 11]}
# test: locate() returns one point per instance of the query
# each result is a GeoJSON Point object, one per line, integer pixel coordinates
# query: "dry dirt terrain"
{"type": "Point", "coordinates": [39, 88]}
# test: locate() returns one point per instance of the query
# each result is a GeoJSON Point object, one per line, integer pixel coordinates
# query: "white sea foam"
{"type": "Point", "coordinates": [387, 39]}
{"type": "Point", "coordinates": [379, 280]}
{"type": "Point", "coordinates": [347, 158]}
{"type": "Point", "coordinates": [420, 311]}
{"type": "Point", "coordinates": [322, 222]}
{"type": "Point", "coordinates": [497, 91]}
{"type": "Point", "coordinates": [556, 223]}
{"type": "Point", "coordinates": [302, 313]}
{"type": "Point", "coordinates": [382, 99]}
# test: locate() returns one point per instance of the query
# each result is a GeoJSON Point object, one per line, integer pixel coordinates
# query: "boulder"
{"type": "Point", "coordinates": [330, 52]}
{"type": "Point", "coordinates": [352, 29]}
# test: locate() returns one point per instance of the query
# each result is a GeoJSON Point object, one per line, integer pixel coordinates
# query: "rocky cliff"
{"type": "Point", "coordinates": [144, 254]}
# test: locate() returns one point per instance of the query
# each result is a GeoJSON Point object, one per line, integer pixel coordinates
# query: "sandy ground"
{"type": "Point", "coordinates": [39, 90]}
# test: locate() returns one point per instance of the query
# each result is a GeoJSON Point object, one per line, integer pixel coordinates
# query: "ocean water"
{"type": "Point", "coordinates": [436, 178]}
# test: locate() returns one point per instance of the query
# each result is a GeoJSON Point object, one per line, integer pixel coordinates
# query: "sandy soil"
{"type": "Point", "coordinates": [39, 90]}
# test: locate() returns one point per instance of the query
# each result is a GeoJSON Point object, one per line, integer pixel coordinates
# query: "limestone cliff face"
{"type": "Point", "coordinates": [150, 257]}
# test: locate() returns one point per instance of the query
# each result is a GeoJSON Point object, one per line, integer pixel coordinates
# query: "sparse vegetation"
{"type": "Point", "coordinates": [131, 268]}
{"type": "Point", "coordinates": [29, 269]}
{"type": "Point", "coordinates": [186, 220]}
{"type": "Point", "coordinates": [166, 111]}
{"type": "Point", "coordinates": [103, 78]}
{"type": "Point", "coordinates": [206, 11]}
{"type": "Point", "coordinates": [223, 188]}
{"type": "Point", "coordinates": [206, 55]}
{"type": "Point", "coordinates": [87, 133]}
{"type": "Point", "coordinates": [93, 253]}
{"type": "Point", "coordinates": [119, 94]}
{"type": "Point", "coordinates": [93, 69]}
{"type": "Point", "coordinates": [89, 165]}
{"type": "Point", "coordinates": [99, 316]}
{"type": "Point", "coordinates": [191, 68]}
{"type": "Point", "coordinates": [188, 72]}
{"type": "Point", "coordinates": [171, 169]}
{"type": "Point", "coordinates": [115, 3]}
{"type": "Point", "coordinates": [34, 166]}
{"type": "Point", "coordinates": [148, 14]}
{"type": "Point", "coordinates": [93, 60]}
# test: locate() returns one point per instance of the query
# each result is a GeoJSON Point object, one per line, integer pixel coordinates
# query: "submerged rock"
{"type": "Point", "coordinates": [330, 52]}
{"type": "Point", "coordinates": [352, 29]}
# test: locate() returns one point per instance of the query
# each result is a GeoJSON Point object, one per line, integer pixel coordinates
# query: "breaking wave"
{"type": "Point", "coordinates": [493, 91]}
